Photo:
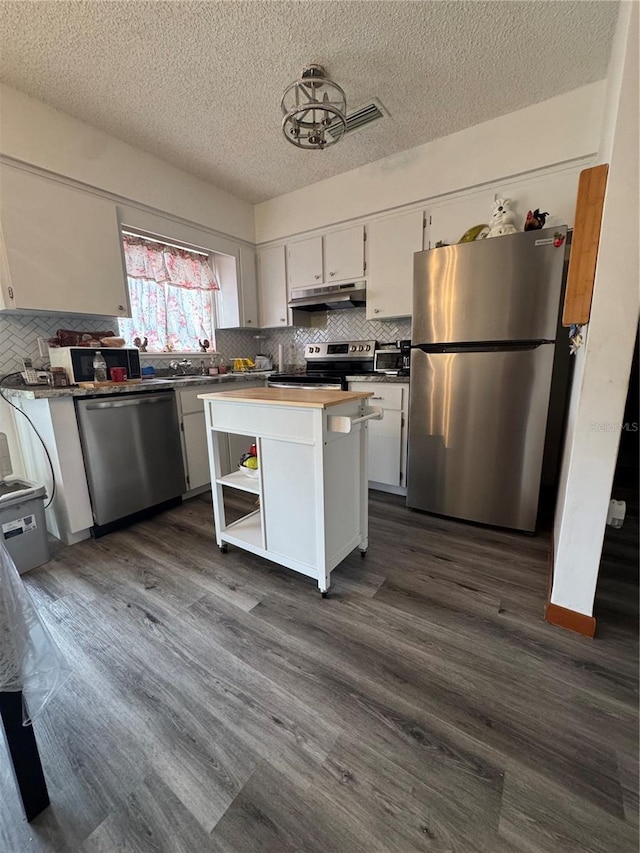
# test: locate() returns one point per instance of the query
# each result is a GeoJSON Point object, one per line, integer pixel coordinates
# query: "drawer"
{"type": "Point", "coordinates": [386, 395]}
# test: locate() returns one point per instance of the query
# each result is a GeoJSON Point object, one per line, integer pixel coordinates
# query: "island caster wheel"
{"type": "Point", "coordinates": [325, 594]}
{"type": "Point", "coordinates": [363, 553]}
{"type": "Point", "coordinates": [223, 548]}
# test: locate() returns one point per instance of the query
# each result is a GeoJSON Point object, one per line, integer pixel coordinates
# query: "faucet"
{"type": "Point", "coordinates": [183, 366]}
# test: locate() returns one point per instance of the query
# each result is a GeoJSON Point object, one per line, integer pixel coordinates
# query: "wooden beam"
{"type": "Point", "coordinates": [584, 245]}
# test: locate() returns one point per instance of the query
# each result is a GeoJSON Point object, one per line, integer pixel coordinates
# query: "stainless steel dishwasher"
{"type": "Point", "coordinates": [132, 454]}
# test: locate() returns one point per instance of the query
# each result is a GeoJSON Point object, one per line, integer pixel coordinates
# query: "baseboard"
{"type": "Point", "coordinates": [570, 619]}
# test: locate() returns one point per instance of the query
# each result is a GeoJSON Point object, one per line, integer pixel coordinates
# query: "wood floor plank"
{"type": "Point", "coordinates": [217, 703]}
{"type": "Point", "coordinates": [535, 819]}
{"type": "Point", "coordinates": [151, 819]}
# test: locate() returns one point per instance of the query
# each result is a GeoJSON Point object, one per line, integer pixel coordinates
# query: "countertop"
{"type": "Point", "coordinates": [319, 399]}
{"type": "Point", "coordinates": [38, 392]}
{"type": "Point", "coordinates": [377, 377]}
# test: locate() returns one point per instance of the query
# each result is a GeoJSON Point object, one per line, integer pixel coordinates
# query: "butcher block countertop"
{"type": "Point", "coordinates": [289, 397]}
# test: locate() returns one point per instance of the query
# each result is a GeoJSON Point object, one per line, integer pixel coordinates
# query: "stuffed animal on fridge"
{"type": "Point", "coordinates": [502, 218]}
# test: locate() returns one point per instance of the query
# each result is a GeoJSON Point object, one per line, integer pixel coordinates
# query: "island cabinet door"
{"type": "Point", "coordinates": [289, 500]}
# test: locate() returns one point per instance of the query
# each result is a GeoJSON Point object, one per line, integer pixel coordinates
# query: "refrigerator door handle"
{"type": "Point", "coordinates": [481, 346]}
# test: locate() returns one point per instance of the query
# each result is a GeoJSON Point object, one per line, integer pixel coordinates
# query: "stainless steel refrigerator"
{"type": "Point", "coordinates": [485, 320]}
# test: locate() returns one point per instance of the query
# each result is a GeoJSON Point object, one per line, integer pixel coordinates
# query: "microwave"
{"type": "Point", "coordinates": [389, 361]}
{"type": "Point", "coordinates": [78, 361]}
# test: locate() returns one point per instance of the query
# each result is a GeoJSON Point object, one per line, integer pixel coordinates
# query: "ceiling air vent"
{"type": "Point", "coordinates": [361, 117]}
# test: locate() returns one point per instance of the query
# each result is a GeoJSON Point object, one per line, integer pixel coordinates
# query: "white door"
{"type": "Point", "coordinates": [63, 250]}
{"type": "Point", "coordinates": [304, 262]}
{"type": "Point", "coordinates": [392, 244]}
{"type": "Point", "coordinates": [344, 254]}
{"type": "Point", "coordinates": [272, 287]}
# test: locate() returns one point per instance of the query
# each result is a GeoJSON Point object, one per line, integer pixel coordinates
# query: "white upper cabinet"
{"type": "Point", "coordinates": [336, 256]}
{"type": "Point", "coordinates": [392, 243]}
{"type": "Point", "coordinates": [61, 248]}
{"type": "Point", "coordinates": [344, 254]}
{"type": "Point", "coordinates": [448, 221]}
{"type": "Point", "coordinates": [237, 299]}
{"type": "Point", "coordinates": [304, 262]}
{"type": "Point", "coordinates": [273, 287]}
{"type": "Point", "coordinates": [249, 287]}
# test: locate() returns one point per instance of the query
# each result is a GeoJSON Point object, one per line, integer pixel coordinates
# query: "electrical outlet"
{"type": "Point", "coordinates": [43, 348]}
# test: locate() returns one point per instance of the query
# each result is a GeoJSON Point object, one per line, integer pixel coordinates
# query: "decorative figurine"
{"type": "Point", "coordinates": [535, 220]}
{"type": "Point", "coordinates": [478, 232]}
{"type": "Point", "coordinates": [204, 345]}
{"type": "Point", "coordinates": [502, 218]}
{"type": "Point", "coordinates": [141, 344]}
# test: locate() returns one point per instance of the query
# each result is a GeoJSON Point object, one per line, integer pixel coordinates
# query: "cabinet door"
{"type": "Point", "coordinates": [385, 448]}
{"type": "Point", "coordinates": [344, 254]}
{"type": "Point", "coordinates": [387, 439]}
{"type": "Point", "coordinates": [304, 262]}
{"type": "Point", "coordinates": [392, 243]}
{"type": "Point", "coordinates": [248, 288]}
{"type": "Point", "coordinates": [195, 443]}
{"type": "Point", "coordinates": [62, 247]}
{"type": "Point", "coordinates": [448, 221]}
{"type": "Point", "coordinates": [272, 287]}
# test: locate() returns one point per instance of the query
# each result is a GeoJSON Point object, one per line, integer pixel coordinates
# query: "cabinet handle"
{"type": "Point", "coordinates": [376, 310]}
{"type": "Point", "coordinates": [377, 398]}
{"type": "Point", "coordinates": [120, 307]}
{"type": "Point", "coordinates": [331, 273]}
{"type": "Point", "coordinates": [316, 277]}
{"type": "Point", "coordinates": [282, 320]}
{"type": "Point", "coordinates": [248, 321]}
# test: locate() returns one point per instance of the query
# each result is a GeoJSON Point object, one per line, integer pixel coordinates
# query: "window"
{"type": "Point", "coordinates": [171, 290]}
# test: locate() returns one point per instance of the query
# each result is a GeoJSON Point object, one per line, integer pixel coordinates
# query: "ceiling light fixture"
{"type": "Point", "coordinates": [310, 106]}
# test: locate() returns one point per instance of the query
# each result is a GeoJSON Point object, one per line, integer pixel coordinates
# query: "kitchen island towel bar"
{"type": "Point", "coordinates": [339, 423]}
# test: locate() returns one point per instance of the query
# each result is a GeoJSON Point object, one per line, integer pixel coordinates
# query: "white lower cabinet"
{"type": "Point", "coordinates": [388, 437]}
{"type": "Point", "coordinates": [194, 435]}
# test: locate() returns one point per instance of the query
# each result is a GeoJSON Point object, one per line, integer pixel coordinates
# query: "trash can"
{"type": "Point", "coordinates": [22, 523]}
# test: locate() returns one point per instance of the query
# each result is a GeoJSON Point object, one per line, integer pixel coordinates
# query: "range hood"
{"type": "Point", "coordinates": [329, 297]}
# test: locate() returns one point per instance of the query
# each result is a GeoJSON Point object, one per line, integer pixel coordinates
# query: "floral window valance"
{"type": "Point", "coordinates": [167, 265]}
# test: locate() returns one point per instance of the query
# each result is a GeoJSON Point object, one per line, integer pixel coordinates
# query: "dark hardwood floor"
{"type": "Point", "coordinates": [218, 703]}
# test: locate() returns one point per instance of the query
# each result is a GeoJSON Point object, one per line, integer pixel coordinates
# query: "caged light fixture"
{"type": "Point", "coordinates": [310, 107]}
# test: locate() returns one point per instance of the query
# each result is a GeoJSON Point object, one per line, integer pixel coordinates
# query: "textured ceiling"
{"type": "Point", "coordinates": [199, 83]}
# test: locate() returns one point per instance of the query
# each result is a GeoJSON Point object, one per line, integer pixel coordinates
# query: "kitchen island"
{"type": "Point", "coordinates": [311, 484]}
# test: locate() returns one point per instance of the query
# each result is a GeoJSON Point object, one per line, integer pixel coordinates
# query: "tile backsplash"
{"type": "Point", "coordinates": [19, 335]}
{"type": "Point", "coordinates": [346, 325]}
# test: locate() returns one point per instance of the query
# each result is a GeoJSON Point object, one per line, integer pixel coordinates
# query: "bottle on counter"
{"type": "Point", "coordinates": [99, 367]}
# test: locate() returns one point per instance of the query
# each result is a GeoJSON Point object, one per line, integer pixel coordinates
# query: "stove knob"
{"type": "Point", "coordinates": [360, 349]}
{"type": "Point", "coordinates": [352, 349]}
{"type": "Point", "coordinates": [368, 347]}
{"type": "Point", "coordinates": [310, 349]}
{"type": "Point", "coordinates": [317, 349]}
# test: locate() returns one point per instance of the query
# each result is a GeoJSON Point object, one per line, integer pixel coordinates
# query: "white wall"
{"type": "Point", "coordinates": [35, 133]}
{"type": "Point", "coordinates": [603, 365]}
{"type": "Point", "coordinates": [556, 131]}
